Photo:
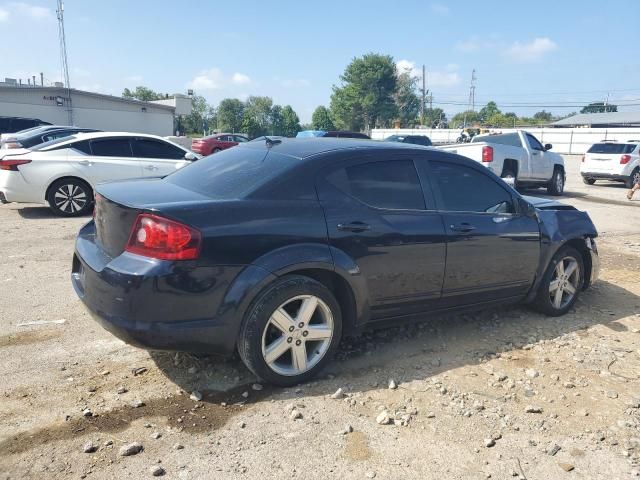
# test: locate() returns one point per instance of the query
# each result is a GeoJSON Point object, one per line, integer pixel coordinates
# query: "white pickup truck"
{"type": "Point", "coordinates": [517, 157]}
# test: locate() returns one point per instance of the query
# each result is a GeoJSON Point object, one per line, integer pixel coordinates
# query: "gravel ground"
{"type": "Point", "coordinates": [496, 394]}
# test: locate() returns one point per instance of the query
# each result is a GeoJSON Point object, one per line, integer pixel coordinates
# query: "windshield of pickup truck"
{"type": "Point", "coordinates": [612, 148]}
{"type": "Point", "coordinates": [512, 139]}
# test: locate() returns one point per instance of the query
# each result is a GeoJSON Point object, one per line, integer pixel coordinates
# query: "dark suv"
{"type": "Point", "coordinates": [278, 249]}
{"type": "Point", "coordinates": [16, 124]}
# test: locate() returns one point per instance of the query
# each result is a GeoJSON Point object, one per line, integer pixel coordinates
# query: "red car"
{"type": "Point", "coordinates": [217, 142]}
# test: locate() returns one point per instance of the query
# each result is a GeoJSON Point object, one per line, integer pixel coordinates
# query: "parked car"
{"type": "Point", "coordinates": [517, 156]}
{"type": "Point", "coordinates": [16, 124]}
{"type": "Point", "coordinates": [40, 135]}
{"type": "Point", "coordinates": [413, 139]}
{"type": "Point", "coordinates": [332, 134]}
{"type": "Point", "coordinates": [63, 173]}
{"type": "Point", "coordinates": [217, 143]}
{"type": "Point", "coordinates": [278, 250]}
{"type": "Point", "coordinates": [617, 161]}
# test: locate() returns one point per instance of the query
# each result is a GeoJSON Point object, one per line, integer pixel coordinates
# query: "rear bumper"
{"type": "Point", "coordinates": [14, 189]}
{"type": "Point", "coordinates": [605, 176]}
{"type": "Point", "coordinates": [153, 304]}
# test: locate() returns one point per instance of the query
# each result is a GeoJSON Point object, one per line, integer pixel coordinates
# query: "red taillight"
{"type": "Point", "coordinates": [157, 237]}
{"type": "Point", "coordinates": [12, 165]}
{"type": "Point", "coordinates": [624, 159]}
{"type": "Point", "coordinates": [487, 154]}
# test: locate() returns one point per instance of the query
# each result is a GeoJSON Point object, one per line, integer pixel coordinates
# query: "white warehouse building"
{"type": "Point", "coordinates": [61, 106]}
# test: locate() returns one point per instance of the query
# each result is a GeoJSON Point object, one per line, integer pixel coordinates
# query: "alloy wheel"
{"type": "Point", "coordinates": [559, 182]}
{"type": "Point", "coordinates": [70, 198]}
{"type": "Point", "coordinates": [564, 283]}
{"type": "Point", "coordinates": [297, 335]}
{"type": "Point", "coordinates": [636, 177]}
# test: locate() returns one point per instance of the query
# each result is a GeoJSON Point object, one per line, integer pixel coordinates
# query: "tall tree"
{"type": "Point", "coordinates": [434, 116]}
{"type": "Point", "coordinates": [406, 100]}
{"type": "Point", "coordinates": [144, 94]}
{"type": "Point", "coordinates": [321, 119]}
{"type": "Point", "coordinates": [290, 122]}
{"type": "Point", "coordinates": [543, 116]}
{"type": "Point", "coordinates": [276, 121]}
{"type": "Point", "coordinates": [488, 110]}
{"type": "Point", "coordinates": [258, 109]}
{"type": "Point", "coordinates": [599, 107]}
{"type": "Point", "coordinates": [366, 97]}
{"type": "Point", "coordinates": [230, 114]}
{"type": "Point", "coordinates": [202, 116]}
{"type": "Point", "coordinates": [470, 117]}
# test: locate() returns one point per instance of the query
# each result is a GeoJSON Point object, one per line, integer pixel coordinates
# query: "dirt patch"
{"type": "Point", "coordinates": [357, 447]}
{"type": "Point", "coordinates": [28, 337]}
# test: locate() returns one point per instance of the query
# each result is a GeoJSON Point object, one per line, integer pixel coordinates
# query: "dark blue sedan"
{"type": "Point", "coordinates": [277, 249]}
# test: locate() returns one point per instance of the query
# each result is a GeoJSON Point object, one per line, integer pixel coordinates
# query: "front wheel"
{"type": "Point", "coordinates": [291, 331]}
{"type": "Point", "coordinates": [561, 283]}
{"type": "Point", "coordinates": [70, 197]}
{"type": "Point", "coordinates": [216, 150]}
{"type": "Point", "coordinates": [556, 185]}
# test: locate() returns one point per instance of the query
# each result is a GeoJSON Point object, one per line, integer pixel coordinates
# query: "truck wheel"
{"type": "Point", "coordinates": [588, 181]}
{"type": "Point", "coordinates": [291, 331]}
{"type": "Point", "coordinates": [633, 179]}
{"type": "Point", "coordinates": [556, 185]}
{"type": "Point", "coordinates": [561, 283]}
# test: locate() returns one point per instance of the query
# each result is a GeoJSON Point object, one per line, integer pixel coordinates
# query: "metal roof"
{"type": "Point", "coordinates": [609, 118]}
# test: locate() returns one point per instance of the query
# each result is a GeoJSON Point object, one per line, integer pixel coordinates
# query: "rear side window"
{"type": "Point", "coordinates": [82, 146]}
{"type": "Point", "coordinates": [612, 148]}
{"type": "Point", "coordinates": [148, 148]}
{"type": "Point", "coordinates": [386, 184]}
{"type": "Point", "coordinates": [464, 189]}
{"type": "Point", "coordinates": [233, 173]}
{"type": "Point", "coordinates": [111, 147]}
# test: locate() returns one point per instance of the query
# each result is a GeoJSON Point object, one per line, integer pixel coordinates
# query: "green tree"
{"type": "Point", "coordinates": [406, 100]}
{"type": "Point", "coordinates": [230, 115]}
{"type": "Point", "coordinates": [143, 94]}
{"type": "Point", "coordinates": [258, 110]}
{"type": "Point", "coordinates": [465, 119]}
{"type": "Point", "coordinates": [434, 116]}
{"type": "Point", "coordinates": [201, 118]}
{"type": "Point", "coordinates": [321, 119]}
{"type": "Point", "coordinates": [488, 110]}
{"type": "Point", "coordinates": [366, 97]}
{"type": "Point", "coordinates": [290, 122]}
{"type": "Point", "coordinates": [599, 107]}
{"type": "Point", "coordinates": [276, 121]}
{"type": "Point", "coordinates": [543, 116]}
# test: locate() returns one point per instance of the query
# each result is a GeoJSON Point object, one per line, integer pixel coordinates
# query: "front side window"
{"type": "Point", "coordinates": [149, 148]}
{"type": "Point", "coordinates": [464, 189]}
{"type": "Point", "coordinates": [240, 139]}
{"type": "Point", "coordinates": [534, 143]}
{"type": "Point", "coordinates": [111, 147]}
{"type": "Point", "coordinates": [386, 184]}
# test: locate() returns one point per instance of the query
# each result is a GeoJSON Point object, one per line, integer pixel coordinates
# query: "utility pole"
{"type": "Point", "coordinates": [424, 94]}
{"type": "Point", "coordinates": [63, 58]}
{"type": "Point", "coordinates": [606, 103]}
{"type": "Point", "coordinates": [472, 91]}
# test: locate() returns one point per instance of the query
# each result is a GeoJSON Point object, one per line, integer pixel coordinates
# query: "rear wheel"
{"type": "Point", "coordinates": [561, 283]}
{"type": "Point", "coordinates": [70, 197]}
{"type": "Point", "coordinates": [588, 181]}
{"type": "Point", "coordinates": [556, 185]}
{"type": "Point", "coordinates": [291, 331]}
{"type": "Point", "coordinates": [633, 179]}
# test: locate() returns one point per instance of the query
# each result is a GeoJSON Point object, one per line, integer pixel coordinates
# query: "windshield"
{"type": "Point", "coordinates": [612, 148]}
{"type": "Point", "coordinates": [232, 173]}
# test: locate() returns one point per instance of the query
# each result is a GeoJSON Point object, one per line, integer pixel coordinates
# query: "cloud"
{"type": "Point", "coordinates": [532, 51]}
{"type": "Point", "coordinates": [211, 79]}
{"type": "Point", "coordinates": [32, 11]}
{"type": "Point", "coordinates": [439, 9]}
{"type": "Point", "coordinates": [435, 78]}
{"type": "Point", "coordinates": [240, 79]}
{"type": "Point", "coordinates": [4, 15]}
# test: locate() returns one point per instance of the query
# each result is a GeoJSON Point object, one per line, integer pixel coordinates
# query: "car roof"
{"type": "Point", "coordinates": [308, 147]}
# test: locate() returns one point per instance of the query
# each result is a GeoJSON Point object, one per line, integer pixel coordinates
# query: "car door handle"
{"type": "Point", "coordinates": [85, 163]}
{"type": "Point", "coordinates": [353, 227]}
{"type": "Point", "coordinates": [151, 167]}
{"type": "Point", "coordinates": [462, 227]}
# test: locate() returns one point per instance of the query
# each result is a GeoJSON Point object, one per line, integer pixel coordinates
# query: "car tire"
{"type": "Point", "coordinates": [216, 150]}
{"type": "Point", "coordinates": [633, 179]}
{"type": "Point", "coordinates": [509, 173]}
{"type": "Point", "coordinates": [588, 181]}
{"type": "Point", "coordinates": [559, 289]}
{"type": "Point", "coordinates": [70, 197]}
{"type": "Point", "coordinates": [556, 185]}
{"type": "Point", "coordinates": [274, 337]}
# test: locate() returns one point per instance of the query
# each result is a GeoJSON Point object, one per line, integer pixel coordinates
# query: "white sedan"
{"type": "Point", "coordinates": [62, 173]}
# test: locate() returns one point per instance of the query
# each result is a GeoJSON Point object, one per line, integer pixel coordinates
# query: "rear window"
{"type": "Point", "coordinates": [232, 173]}
{"type": "Point", "coordinates": [612, 148]}
{"type": "Point", "coordinates": [512, 139]}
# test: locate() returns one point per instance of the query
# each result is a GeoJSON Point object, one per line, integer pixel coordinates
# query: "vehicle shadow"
{"type": "Point", "coordinates": [411, 352]}
{"type": "Point", "coordinates": [39, 213]}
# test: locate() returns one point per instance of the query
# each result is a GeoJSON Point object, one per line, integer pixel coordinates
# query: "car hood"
{"type": "Point", "coordinates": [546, 204]}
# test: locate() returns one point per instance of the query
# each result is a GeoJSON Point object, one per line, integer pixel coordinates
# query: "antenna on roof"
{"type": "Point", "coordinates": [270, 142]}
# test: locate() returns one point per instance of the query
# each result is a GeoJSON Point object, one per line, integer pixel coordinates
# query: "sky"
{"type": "Point", "coordinates": [554, 55]}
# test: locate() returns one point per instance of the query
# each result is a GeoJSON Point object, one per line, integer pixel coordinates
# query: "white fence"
{"type": "Point", "coordinates": [564, 140]}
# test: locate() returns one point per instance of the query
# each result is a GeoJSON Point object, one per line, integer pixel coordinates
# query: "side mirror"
{"type": "Point", "coordinates": [190, 156]}
{"type": "Point", "coordinates": [526, 208]}
{"type": "Point", "coordinates": [547, 146]}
